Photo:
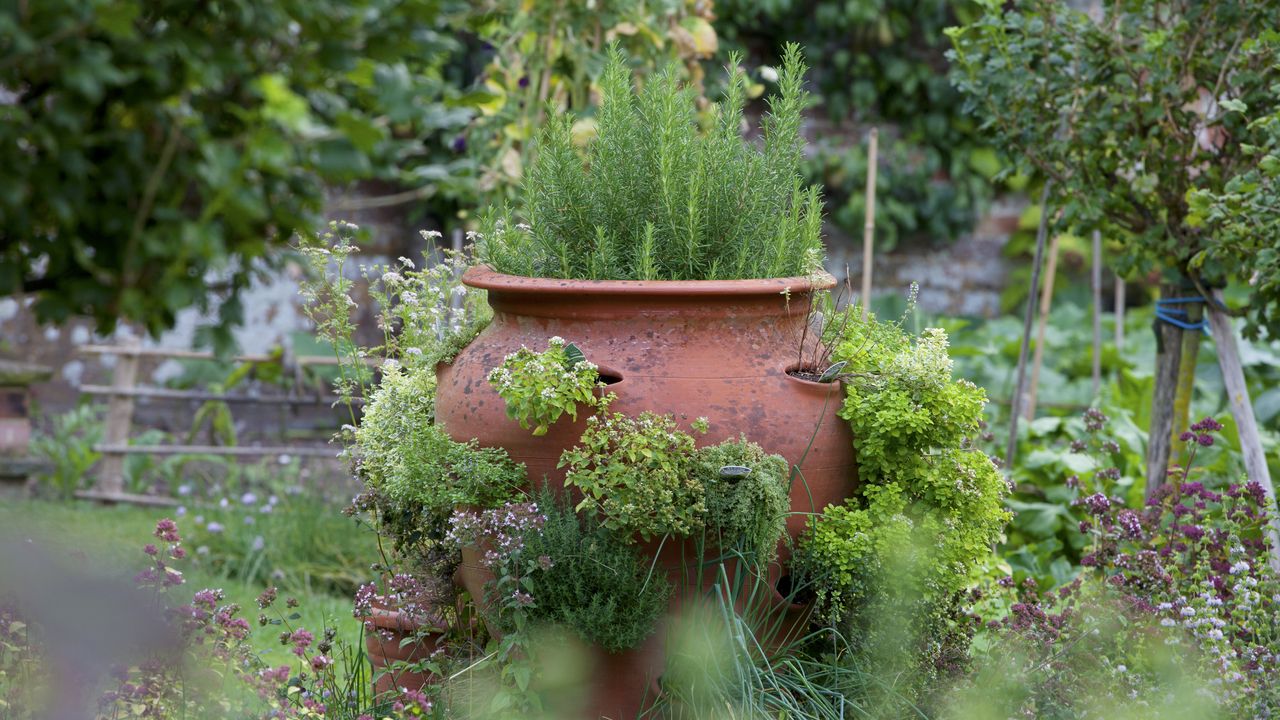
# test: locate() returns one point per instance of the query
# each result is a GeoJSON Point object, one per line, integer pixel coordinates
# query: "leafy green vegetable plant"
{"type": "Point", "coordinates": [748, 510]}
{"type": "Point", "coordinates": [638, 473]}
{"type": "Point", "coordinates": [68, 446]}
{"type": "Point", "coordinates": [655, 198]}
{"type": "Point", "coordinates": [539, 387]}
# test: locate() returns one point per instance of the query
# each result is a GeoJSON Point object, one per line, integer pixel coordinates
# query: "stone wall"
{"type": "Point", "coordinates": [964, 277]}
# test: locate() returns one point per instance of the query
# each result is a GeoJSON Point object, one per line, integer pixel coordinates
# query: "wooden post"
{"type": "Point", "coordinates": [119, 420]}
{"type": "Point", "coordinates": [1186, 381]}
{"type": "Point", "coordinates": [1255, 462]}
{"type": "Point", "coordinates": [1119, 314]}
{"type": "Point", "coordinates": [1096, 279]}
{"type": "Point", "coordinates": [1015, 404]}
{"type": "Point", "coordinates": [1160, 429]}
{"type": "Point", "coordinates": [869, 224]}
{"type": "Point", "coordinates": [1046, 303]}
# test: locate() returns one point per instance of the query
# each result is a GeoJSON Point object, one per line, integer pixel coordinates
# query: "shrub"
{"type": "Point", "coordinates": [656, 199]}
{"type": "Point", "coordinates": [591, 581]}
{"type": "Point", "coordinates": [638, 473]}
{"type": "Point", "coordinates": [162, 135]}
{"type": "Point", "coordinates": [1137, 117]}
{"type": "Point", "coordinates": [749, 511]}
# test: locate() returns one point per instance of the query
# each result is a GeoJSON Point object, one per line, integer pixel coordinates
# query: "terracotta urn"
{"type": "Point", "coordinates": [715, 349]}
{"type": "Point", "coordinates": [386, 630]}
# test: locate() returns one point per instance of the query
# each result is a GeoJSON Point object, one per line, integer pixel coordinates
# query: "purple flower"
{"type": "Point", "coordinates": [1255, 492]}
{"type": "Point", "coordinates": [459, 143]}
{"type": "Point", "coordinates": [1073, 481]}
{"type": "Point", "coordinates": [207, 597]}
{"type": "Point", "coordinates": [1204, 440]}
{"type": "Point", "coordinates": [167, 530]}
{"type": "Point", "coordinates": [214, 527]}
{"type": "Point", "coordinates": [1193, 532]}
{"type": "Point", "coordinates": [1130, 523]}
{"type": "Point", "coordinates": [1078, 446]}
{"type": "Point", "coordinates": [150, 549]}
{"type": "Point", "coordinates": [301, 639]}
{"type": "Point", "coordinates": [1187, 436]}
{"type": "Point", "coordinates": [320, 662]}
{"type": "Point", "coordinates": [1208, 424]}
{"type": "Point", "coordinates": [1097, 503]}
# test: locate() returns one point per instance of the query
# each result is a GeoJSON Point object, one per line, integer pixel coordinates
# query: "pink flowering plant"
{"type": "Point", "coordinates": [1185, 575]}
{"type": "Point", "coordinates": [147, 651]}
{"type": "Point", "coordinates": [499, 533]}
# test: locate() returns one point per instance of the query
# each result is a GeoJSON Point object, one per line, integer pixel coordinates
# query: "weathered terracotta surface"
{"type": "Point", "coordinates": [714, 349]}
{"type": "Point", "coordinates": [718, 349]}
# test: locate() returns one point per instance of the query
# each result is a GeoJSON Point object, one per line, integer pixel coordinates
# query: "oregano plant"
{"type": "Point", "coordinates": [929, 506]}
{"type": "Point", "coordinates": [540, 387]}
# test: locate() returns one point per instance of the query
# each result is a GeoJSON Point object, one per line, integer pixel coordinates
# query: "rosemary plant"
{"type": "Point", "coordinates": [653, 197]}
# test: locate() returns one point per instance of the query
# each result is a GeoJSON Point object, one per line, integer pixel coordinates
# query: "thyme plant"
{"type": "Point", "coordinates": [590, 580]}
{"type": "Point", "coordinates": [653, 197]}
{"type": "Point", "coordinates": [749, 511]}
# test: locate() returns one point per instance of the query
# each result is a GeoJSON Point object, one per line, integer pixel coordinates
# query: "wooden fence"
{"type": "Point", "coordinates": [124, 389]}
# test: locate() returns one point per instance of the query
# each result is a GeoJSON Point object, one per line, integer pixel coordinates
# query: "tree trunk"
{"type": "Point", "coordinates": [1159, 432]}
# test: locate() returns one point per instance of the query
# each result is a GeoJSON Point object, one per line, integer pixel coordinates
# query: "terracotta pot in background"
{"type": "Point", "coordinates": [714, 349]}
{"type": "Point", "coordinates": [384, 644]}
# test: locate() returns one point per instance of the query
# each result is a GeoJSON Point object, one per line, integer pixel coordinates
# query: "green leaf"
{"type": "Point", "coordinates": [363, 132]}
{"type": "Point", "coordinates": [833, 372]}
{"type": "Point", "coordinates": [1234, 105]}
{"type": "Point", "coordinates": [117, 17]}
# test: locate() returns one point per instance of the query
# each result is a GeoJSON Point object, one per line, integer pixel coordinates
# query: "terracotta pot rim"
{"type": "Point", "coordinates": [483, 277]}
{"type": "Point", "coordinates": [390, 619]}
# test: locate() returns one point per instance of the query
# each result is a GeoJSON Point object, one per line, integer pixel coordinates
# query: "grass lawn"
{"type": "Point", "coordinates": [115, 536]}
